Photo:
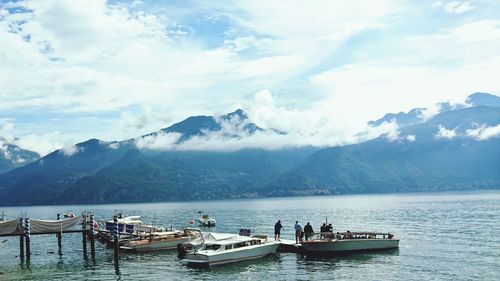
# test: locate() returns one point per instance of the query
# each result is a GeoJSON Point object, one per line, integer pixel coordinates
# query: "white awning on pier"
{"type": "Point", "coordinates": [9, 227]}
{"type": "Point", "coordinates": [39, 226]}
{"type": "Point", "coordinates": [42, 226]}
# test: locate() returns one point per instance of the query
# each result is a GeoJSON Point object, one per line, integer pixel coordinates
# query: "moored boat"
{"type": "Point", "coordinates": [155, 241]}
{"type": "Point", "coordinates": [346, 242]}
{"type": "Point", "coordinates": [129, 228]}
{"type": "Point", "coordinates": [231, 249]}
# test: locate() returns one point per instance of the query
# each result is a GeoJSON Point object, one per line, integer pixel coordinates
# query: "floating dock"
{"type": "Point", "coordinates": [289, 246]}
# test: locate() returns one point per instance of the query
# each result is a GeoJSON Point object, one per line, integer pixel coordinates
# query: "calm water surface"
{"type": "Point", "coordinates": [444, 236]}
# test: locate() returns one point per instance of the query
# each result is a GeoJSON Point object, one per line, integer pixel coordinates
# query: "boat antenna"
{"type": "Point", "coordinates": [326, 218]}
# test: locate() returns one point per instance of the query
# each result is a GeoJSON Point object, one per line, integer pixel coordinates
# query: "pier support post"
{"type": "Point", "coordinates": [59, 243]}
{"type": "Point", "coordinates": [84, 234]}
{"type": "Point", "coordinates": [116, 245]}
{"type": "Point", "coordinates": [21, 239]}
{"type": "Point", "coordinates": [59, 238]}
{"type": "Point", "coordinates": [27, 229]}
{"type": "Point", "coordinates": [91, 236]}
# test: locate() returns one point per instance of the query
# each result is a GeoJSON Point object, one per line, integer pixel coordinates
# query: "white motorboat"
{"type": "Point", "coordinates": [69, 214]}
{"type": "Point", "coordinates": [231, 248]}
{"type": "Point", "coordinates": [345, 242]}
{"type": "Point", "coordinates": [155, 241]}
{"type": "Point", "coordinates": [205, 220]}
{"type": "Point", "coordinates": [198, 242]}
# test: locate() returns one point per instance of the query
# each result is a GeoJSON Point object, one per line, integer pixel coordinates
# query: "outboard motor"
{"type": "Point", "coordinates": [181, 251]}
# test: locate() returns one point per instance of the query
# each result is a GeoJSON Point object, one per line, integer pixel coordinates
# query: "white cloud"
{"type": "Point", "coordinates": [71, 150]}
{"type": "Point", "coordinates": [484, 132]}
{"type": "Point", "coordinates": [393, 134]}
{"type": "Point", "coordinates": [146, 121]}
{"type": "Point", "coordinates": [4, 149]}
{"type": "Point", "coordinates": [158, 141]}
{"type": "Point", "coordinates": [458, 7]}
{"type": "Point", "coordinates": [145, 70]}
{"type": "Point", "coordinates": [366, 91]}
{"type": "Point", "coordinates": [444, 133]}
{"type": "Point", "coordinates": [437, 4]}
{"type": "Point", "coordinates": [475, 32]}
{"type": "Point", "coordinates": [43, 144]}
{"type": "Point", "coordinates": [411, 138]}
{"type": "Point", "coordinates": [6, 131]}
{"type": "Point", "coordinates": [233, 136]}
{"type": "Point", "coordinates": [114, 145]}
{"type": "Point", "coordinates": [39, 143]}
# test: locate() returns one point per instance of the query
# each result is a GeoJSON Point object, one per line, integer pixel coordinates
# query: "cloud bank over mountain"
{"type": "Point", "coordinates": [73, 70]}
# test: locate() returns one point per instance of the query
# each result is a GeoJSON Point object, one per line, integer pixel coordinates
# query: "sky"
{"type": "Point", "coordinates": [113, 70]}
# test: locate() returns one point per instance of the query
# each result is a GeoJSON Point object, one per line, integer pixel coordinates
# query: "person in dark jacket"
{"type": "Point", "coordinates": [277, 230]}
{"type": "Point", "coordinates": [329, 228]}
{"type": "Point", "coordinates": [308, 230]}
{"type": "Point", "coordinates": [322, 231]}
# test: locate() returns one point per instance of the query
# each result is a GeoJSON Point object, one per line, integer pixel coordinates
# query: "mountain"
{"type": "Point", "coordinates": [483, 99]}
{"type": "Point", "coordinates": [415, 116]}
{"type": "Point", "coordinates": [184, 175]}
{"type": "Point", "coordinates": [412, 117]}
{"type": "Point", "coordinates": [12, 156]}
{"type": "Point", "coordinates": [97, 171]}
{"type": "Point", "coordinates": [201, 125]}
{"type": "Point", "coordinates": [52, 174]}
{"type": "Point", "coordinates": [458, 148]}
{"type": "Point", "coordinates": [419, 160]}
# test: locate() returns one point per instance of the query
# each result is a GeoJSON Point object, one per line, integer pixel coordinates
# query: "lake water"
{"type": "Point", "coordinates": [443, 236]}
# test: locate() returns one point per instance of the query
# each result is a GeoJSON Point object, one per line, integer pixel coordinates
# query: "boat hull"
{"type": "Point", "coordinates": [165, 244]}
{"type": "Point", "coordinates": [349, 245]}
{"type": "Point", "coordinates": [231, 256]}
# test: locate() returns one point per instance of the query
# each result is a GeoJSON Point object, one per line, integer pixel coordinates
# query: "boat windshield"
{"type": "Point", "coordinates": [212, 247]}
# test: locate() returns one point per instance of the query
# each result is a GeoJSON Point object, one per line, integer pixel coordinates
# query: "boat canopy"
{"type": "Point", "coordinates": [214, 237]}
{"type": "Point", "coordinates": [233, 240]}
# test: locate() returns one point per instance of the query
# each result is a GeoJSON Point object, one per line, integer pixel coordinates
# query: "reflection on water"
{"type": "Point", "coordinates": [435, 232]}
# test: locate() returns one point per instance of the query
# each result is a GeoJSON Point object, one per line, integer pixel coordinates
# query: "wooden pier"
{"type": "Point", "coordinates": [24, 231]}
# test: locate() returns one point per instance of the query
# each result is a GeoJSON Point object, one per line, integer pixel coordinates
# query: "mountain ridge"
{"type": "Point", "coordinates": [455, 149]}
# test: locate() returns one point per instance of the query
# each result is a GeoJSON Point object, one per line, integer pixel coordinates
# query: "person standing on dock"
{"type": "Point", "coordinates": [298, 232]}
{"type": "Point", "coordinates": [308, 230]}
{"type": "Point", "coordinates": [277, 230]}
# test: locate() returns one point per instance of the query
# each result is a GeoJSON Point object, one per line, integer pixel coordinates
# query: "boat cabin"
{"type": "Point", "coordinates": [230, 244]}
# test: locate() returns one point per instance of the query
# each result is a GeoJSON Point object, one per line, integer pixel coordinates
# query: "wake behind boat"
{"type": "Point", "coordinates": [347, 242]}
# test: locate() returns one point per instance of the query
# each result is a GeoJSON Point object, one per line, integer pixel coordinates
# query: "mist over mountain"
{"type": "Point", "coordinates": [12, 156]}
{"type": "Point", "coordinates": [202, 125]}
{"type": "Point", "coordinates": [207, 157]}
{"type": "Point", "coordinates": [455, 150]}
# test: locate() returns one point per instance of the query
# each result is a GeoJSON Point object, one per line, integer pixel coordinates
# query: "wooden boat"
{"type": "Point", "coordinates": [231, 249]}
{"type": "Point", "coordinates": [155, 241]}
{"type": "Point", "coordinates": [346, 242]}
{"type": "Point", "coordinates": [129, 228]}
